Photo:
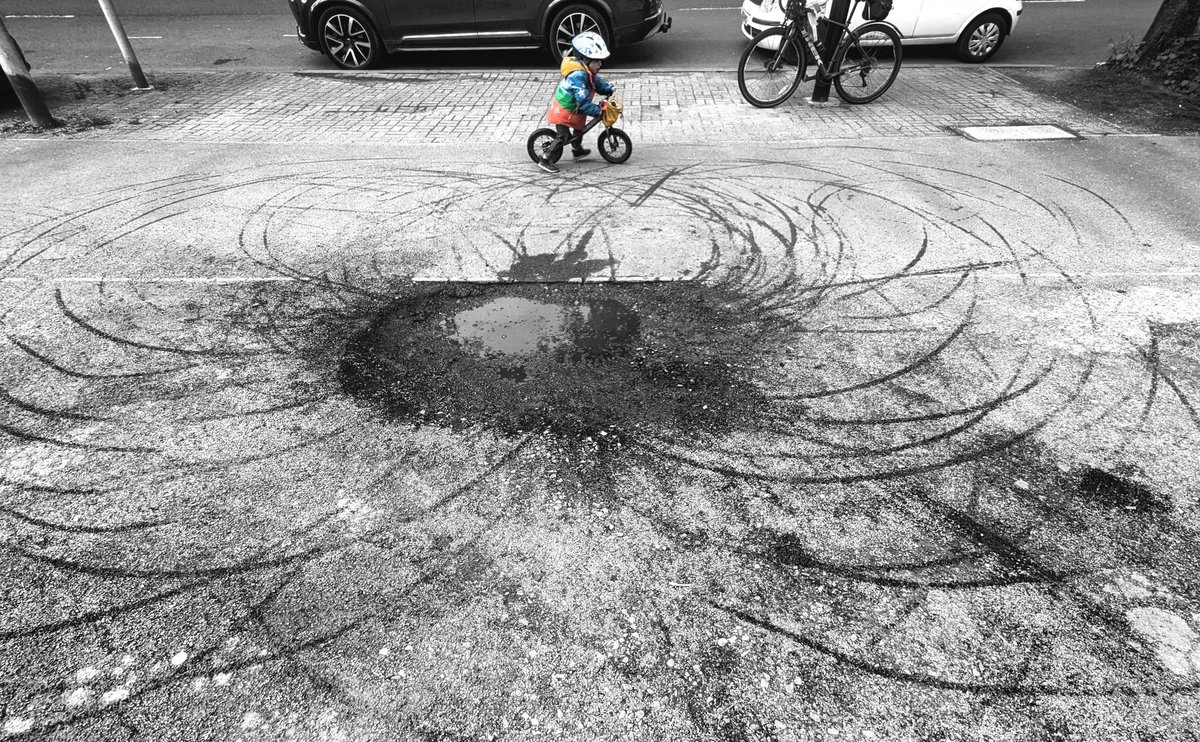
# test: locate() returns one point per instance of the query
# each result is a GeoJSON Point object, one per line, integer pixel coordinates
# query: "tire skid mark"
{"type": "Point", "coordinates": [51, 363]}
{"type": "Point", "coordinates": [931, 681]}
{"type": "Point", "coordinates": [85, 325]}
{"type": "Point", "coordinates": [78, 528]}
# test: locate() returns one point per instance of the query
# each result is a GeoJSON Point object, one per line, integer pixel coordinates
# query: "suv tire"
{"type": "Point", "coordinates": [349, 39]}
{"type": "Point", "coordinates": [570, 22]}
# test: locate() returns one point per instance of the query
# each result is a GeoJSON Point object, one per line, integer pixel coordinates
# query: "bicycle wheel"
{"type": "Point", "coordinates": [541, 144]}
{"type": "Point", "coordinates": [867, 63]}
{"type": "Point", "coordinates": [771, 68]}
{"type": "Point", "coordinates": [615, 145]}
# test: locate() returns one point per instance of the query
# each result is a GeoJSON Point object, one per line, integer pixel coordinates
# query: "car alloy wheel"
{"type": "Point", "coordinates": [347, 39]}
{"type": "Point", "coordinates": [570, 23]}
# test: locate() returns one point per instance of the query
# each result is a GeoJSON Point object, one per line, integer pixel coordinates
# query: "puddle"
{"type": "Point", "coordinates": [517, 328]}
{"type": "Point", "coordinates": [584, 361]}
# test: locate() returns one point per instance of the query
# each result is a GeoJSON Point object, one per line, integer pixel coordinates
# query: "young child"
{"type": "Point", "coordinates": [572, 102]}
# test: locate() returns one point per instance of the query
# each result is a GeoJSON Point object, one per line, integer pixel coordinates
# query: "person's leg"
{"type": "Point", "coordinates": [547, 163]}
{"type": "Point", "coordinates": [564, 134]}
{"type": "Point", "coordinates": [577, 148]}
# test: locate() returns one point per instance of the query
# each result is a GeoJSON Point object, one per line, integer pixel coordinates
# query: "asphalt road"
{"type": "Point", "coordinates": [70, 35]}
{"type": "Point", "coordinates": [916, 459]}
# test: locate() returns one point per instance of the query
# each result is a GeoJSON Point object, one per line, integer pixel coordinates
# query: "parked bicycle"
{"type": "Point", "coordinates": [864, 66]}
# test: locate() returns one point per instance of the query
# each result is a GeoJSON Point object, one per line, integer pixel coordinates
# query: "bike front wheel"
{"type": "Point", "coordinates": [867, 63]}
{"type": "Point", "coordinates": [615, 145]}
{"type": "Point", "coordinates": [771, 68]}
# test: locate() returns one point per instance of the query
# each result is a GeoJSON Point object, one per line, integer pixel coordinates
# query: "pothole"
{"type": "Point", "coordinates": [576, 360]}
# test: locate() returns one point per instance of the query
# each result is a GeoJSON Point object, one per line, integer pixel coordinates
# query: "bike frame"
{"type": "Point", "coordinates": [798, 25]}
{"type": "Point", "coordinates": [590, 125]}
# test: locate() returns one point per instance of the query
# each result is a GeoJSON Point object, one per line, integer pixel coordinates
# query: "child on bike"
{"type": "Point", "coordinates": [572, 102]}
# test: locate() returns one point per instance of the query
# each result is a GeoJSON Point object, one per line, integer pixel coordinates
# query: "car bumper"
{"type": "Point", "coordinates": [305, 38]}
{"type": "Point", "coordinates": [752, 26]}
{"type": "Point", "coordinates": [660, 22]}
{"type": "Point", "coordinates": [309, 41]}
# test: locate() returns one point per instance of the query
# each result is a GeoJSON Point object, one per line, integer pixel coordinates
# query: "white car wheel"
{"type": "Point", "coordinates": [982, 38]}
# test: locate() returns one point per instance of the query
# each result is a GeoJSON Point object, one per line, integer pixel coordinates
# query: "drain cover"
{"type": "Point", "coordinates": [1023, 132]}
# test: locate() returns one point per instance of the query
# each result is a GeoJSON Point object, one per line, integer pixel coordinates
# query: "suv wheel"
{"type": "Point", "coordinates": [569, 23]}
{"type": "Point", "coordinates": [349, 39]}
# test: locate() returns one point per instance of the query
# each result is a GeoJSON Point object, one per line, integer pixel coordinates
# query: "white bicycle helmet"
{"type": "Point", "coordinates": [589, 44]}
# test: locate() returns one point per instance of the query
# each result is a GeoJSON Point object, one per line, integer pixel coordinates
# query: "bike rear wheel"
{"type": "Point", "coordinates": [867, 63]}
{"type": "Point", "coordinates": [768, 76]}
{"type": "Point", "coordinates": [541, 144]}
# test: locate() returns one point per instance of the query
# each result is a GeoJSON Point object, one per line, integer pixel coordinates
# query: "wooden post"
{"type": "Point", "coordinates": [118, 31]}
{"type": "Point", "coordinates": [14, 68]}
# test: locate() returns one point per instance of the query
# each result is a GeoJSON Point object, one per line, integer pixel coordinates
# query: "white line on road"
{"type": "Point", "coordinates": [160, 279]}
{"type": "Point", "coordinates": [145, 37]}
{"type": "Point", "coordinates": [1004, 275]}
{"type": "Point", "coordinates": [39, 16]}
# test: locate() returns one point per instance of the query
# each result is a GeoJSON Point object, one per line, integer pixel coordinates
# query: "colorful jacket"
{"type": "Point", "coordinates": [572, 102]}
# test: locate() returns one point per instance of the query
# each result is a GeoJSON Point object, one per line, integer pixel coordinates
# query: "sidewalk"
{"type": "Point", "coordinates": [502, 107]}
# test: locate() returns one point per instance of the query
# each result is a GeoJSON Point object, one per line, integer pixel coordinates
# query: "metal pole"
{"type": "Point", "coordinates": [839, 10]}
{"type": "Point", "coordinates": [135, 69]}
{"type": "Point", "coordinates": [14, 68]}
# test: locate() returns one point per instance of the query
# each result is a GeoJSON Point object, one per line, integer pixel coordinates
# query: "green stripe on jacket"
{"type": "Point", "coordinates": [565, 99]}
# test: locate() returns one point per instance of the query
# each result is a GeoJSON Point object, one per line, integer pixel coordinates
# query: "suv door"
{"type": "Point", "coordinates": [432, 22]}
{"type": "Point", "coordinates": [508, 21]}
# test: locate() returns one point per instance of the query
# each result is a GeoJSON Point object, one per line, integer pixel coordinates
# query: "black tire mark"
{"type": "Point", "coordinates": [75, 528]}
{"type": "Point", "coordinates": [930, 681]}
{"type": "Point", "coordinates": [84, 324]}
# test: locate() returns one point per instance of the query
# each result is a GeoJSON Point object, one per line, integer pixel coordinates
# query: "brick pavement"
{"type": "Point", "coordinates": [502, 107]}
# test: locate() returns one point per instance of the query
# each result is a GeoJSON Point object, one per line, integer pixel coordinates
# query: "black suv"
{"type": "Point", "coordinates": [356, 34]}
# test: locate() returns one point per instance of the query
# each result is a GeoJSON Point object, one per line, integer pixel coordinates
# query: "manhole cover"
{"type": "Point", "coordinates": [1023, 132]}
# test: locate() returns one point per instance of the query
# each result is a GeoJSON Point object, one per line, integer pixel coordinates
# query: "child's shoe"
{"type": "Point", "coordinates": [548, 166]}
{"type": "Point", "coordinates": [580, 153]}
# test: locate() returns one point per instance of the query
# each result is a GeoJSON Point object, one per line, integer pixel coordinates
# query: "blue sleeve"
{"type": "Point", "coordinates": [603, 87]}
{"type": "Point", "coordinates": [577, 86]}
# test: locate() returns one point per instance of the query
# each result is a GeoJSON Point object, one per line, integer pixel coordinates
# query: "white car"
{"type": "Point", "coordinates": [977, 28]}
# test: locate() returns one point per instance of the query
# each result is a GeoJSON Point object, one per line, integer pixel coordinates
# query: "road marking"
{"type": "Point", "coordinates": [39, 16]}
{"type": "Point", "coordinates": [993, 274]}
{"type": "Point", "coordinates": [145, 37]}
{"type": "Point", "coordinates": [161, 279]}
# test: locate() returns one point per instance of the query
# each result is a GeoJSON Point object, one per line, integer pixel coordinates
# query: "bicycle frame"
{"type": "Point", "coordinates": [798, 24]}
{"type": "Point", "coordinates": [582, 132]}
{"type": "Point", "coordinates": [862, 66]}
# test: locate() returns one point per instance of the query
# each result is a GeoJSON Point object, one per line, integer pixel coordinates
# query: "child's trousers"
{"type": "Point", "coordinates": [565, 133]}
